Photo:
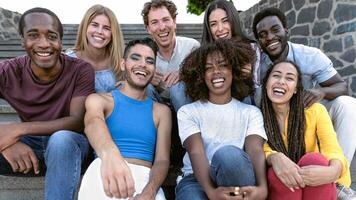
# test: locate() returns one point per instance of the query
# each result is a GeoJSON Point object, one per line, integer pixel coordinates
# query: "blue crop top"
{"type": "Point", "coordinates": [132, 127]}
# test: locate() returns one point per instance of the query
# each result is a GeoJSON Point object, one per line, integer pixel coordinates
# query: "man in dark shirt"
{"type": "Point", "coordinates": [48, 90]}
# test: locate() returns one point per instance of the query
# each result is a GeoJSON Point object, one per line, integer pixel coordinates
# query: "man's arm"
{"type": "Point", "coordinates": [116, 175]}
{"type": "Point", "coordinates": [330, 89]}
{"type": "Point", "coordinates": [160, 165]}
{"type": "Point", "coordinates": [11, 133]}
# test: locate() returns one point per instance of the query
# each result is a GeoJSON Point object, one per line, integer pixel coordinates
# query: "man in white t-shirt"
{"type": "Point", "coordinates": [159, 17]}
{"type": "Point", "coordinates": [223, 137]}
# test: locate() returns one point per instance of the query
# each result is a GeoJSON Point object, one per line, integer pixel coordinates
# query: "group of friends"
{"type": "Point", "coordinates": [259, 118]}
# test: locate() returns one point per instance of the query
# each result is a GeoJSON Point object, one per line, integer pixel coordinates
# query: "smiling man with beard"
{"type": "Point", "coordinates": [48, 90]}
{"type": "Point", "coordinates": [129, 132]}
{"type": "Point", "coordinates": [320, 79]}
{"type": "Point", "coordinates": [159, 17]}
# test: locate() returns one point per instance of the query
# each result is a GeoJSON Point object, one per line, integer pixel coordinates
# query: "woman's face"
{"type": "Point", "coordinates": [218, 75]}
{"type": "Point", "coordinates": [99, 32]}
{"type": "Point", "coordinates": [282, 83]}
{"type": "Point", "coordinates": [219, 24]}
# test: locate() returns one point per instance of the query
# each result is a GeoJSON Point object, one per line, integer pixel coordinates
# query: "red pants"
{"type": "Point", "coordinates": [278, 191]}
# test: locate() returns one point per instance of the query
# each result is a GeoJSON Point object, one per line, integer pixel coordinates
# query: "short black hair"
{"type": "Point", "coordinates": [266, 13]}
{"type": "Point", "coordinates": [40, 10]}
{"type": "Point", "coordinates": [145, 41]}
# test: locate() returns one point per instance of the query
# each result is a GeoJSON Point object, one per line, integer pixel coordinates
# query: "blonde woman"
{"type": "Point", "coordinates": [100, 43]}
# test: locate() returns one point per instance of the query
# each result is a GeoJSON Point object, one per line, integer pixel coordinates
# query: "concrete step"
{"type": "Point", "coordinates": [7, 113]}
{"type": "Point", "coordinates": [20, 188]}
{"type": "Point", "coordinates": [12, 47]}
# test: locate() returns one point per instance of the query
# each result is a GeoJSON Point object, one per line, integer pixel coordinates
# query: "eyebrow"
{"type": "Point", "coordinates": [136, 54]}
{"type": "Point", "coordinates": [219, 62]}
{"type": "Point", "coordinates": [139, 55]}
{"type": "Point", "coordinates": [276, 26]}
{"type": "Point", "coordinates": [288, 73]}
{"type": "Point", "coordinates": [36, 30]}
{"type": "Point", "coordinates": [149, 57]}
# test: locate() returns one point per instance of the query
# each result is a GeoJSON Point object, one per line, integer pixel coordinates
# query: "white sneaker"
{"type": "Point", "coordinates": [344, 193]}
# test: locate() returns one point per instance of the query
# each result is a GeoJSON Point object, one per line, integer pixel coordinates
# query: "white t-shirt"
{"type": "Point", "coordinates": [184, 46]}
{"type": "Point", "coordinates": [219, 125]}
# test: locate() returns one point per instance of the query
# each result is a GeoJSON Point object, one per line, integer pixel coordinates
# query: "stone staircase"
{"type": "Point", "coordinates": [12, 47]}
{"type": "Point", "coordinates": [19, 188]}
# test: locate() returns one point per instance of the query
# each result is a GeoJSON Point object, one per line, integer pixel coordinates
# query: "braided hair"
{"type": "Point", "coordinates": [296, 120]}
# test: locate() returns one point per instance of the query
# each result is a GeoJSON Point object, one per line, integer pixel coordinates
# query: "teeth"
{"type": "Point", "coordinates": [273, 44]}
{"type": "Point", "coordinates": [140, 73]}
{"type": "Point", "coordinates": [223, 36]}
{"type": "Point", "coordinates": [218, 80]}
{"type": "Point", "coordinates": [279, 91]}
{"type": "Point", "coordinates": [163, 34]}
{"type": "Point", "coordinates": [43, 54]}
{"type": "Point", "coordinates": [97, 38]}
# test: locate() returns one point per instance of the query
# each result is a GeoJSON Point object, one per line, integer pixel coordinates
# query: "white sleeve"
{"type": "Point", "coordinates": [255, 123]}
{"type": "Point", "coordinates": [187, 122]}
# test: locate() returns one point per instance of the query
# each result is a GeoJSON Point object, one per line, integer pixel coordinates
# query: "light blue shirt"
{"type": "Point", "coordinates": [315, 66]}
{"type": "Point", "coordinates": [104, 79]}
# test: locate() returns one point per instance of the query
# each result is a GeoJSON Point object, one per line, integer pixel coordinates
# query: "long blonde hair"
{"type": "Point", "coordinates": [116, 45]}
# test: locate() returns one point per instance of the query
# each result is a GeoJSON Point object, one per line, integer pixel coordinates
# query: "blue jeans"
{"type": "Point", "coordinates": [177, 95]}
{"type": "Point", "coordinates": [61, 155]}
{"type": "Point", "coordinates": [230, 166]}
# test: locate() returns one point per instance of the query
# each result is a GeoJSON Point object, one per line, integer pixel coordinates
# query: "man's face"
{"type": "Point", "coordinates": [272, 36]}
{"type": "Point", "coordinates": [139, 66]}
{"type": "Point", "coordinates": [41, 40]}
{"type": "Point", "coordinates": [161, 26]}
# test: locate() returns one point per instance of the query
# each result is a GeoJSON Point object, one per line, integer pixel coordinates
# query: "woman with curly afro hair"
{"type": "Point", "coordinates": [223, 137]}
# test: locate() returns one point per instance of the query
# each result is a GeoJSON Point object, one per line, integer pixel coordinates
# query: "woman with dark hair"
{"type": "Point", "coordinates": [302, 151]}
{"type": "Point", "coordinates": [223, 137]}
{"type": "Point", "coordinates": [221, 21]}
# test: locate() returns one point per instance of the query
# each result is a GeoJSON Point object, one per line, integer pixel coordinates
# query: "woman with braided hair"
{"type": "Point", "coordinates": [302, 151]}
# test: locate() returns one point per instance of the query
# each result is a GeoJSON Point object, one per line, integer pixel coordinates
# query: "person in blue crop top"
{"type": "Point", "coordinates": [129, 132]}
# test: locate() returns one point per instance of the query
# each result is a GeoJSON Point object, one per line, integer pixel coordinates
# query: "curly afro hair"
{"type": "Point", "coordinates": [236, 53]}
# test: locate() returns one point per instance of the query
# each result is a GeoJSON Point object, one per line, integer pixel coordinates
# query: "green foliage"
{"type": "Point", "coordinates": [198, 6]}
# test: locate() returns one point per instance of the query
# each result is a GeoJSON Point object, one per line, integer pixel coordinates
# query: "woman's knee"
{"type": "Point", "coordinates": [313, 159]}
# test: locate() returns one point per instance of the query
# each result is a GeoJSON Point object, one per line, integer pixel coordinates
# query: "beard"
{"type": "Point", "coordinates": [136, 85]}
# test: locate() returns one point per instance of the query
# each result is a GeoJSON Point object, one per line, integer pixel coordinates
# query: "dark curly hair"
{"type": "Point", "coordinates": [296, 120]}
{"type": "Point", "coordinates": [266, 13]}
{"type": "Point", "coordinates": [171, 7]}
{"type": "Point", "coordinates": [237, 54]}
